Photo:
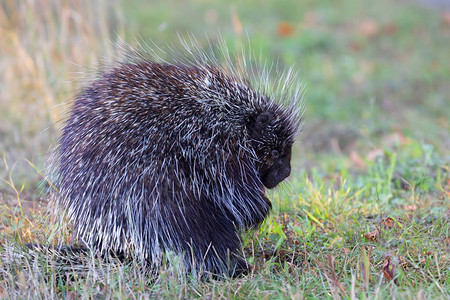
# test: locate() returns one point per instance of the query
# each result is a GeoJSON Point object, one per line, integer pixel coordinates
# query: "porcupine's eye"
{"type": "Point", "coordinates": [275, 154]}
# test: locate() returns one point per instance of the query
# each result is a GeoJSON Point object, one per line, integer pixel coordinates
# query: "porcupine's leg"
{"type": "Point", "coordinates": [208, 239]}
{"type": "Point", "coordinates": [216, 241]}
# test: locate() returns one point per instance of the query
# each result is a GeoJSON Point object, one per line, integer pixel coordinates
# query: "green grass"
{"type": "Point", "coordinates": [370, 182]}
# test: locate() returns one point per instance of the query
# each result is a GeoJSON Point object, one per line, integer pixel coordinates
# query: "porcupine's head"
{"type": "Point", "coordinates": [272, 134]}
{"type": "Point", "coordinates": [275, 120]}
{"type": "Point", "coordinates": [270, 112]}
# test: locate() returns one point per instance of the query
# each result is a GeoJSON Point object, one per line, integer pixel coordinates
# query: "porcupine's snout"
{"type": "Point", "coordinates": [279, 171]}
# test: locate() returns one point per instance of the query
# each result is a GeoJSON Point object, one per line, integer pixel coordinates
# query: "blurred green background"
{"type": "Point", "coordinates": [377, 73]}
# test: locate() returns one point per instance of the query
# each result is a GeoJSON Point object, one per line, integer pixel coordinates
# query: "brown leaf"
{"type": "Point", "coordinates": [355, 47]}
{"type": "Point", "coordinates": [372, 236]}
{"type": "Point", "coordinates": [446, 18]}
{"type": "Point", "coordinates": [369, 28]}
{"type": "Point", "coordinates": [388, 271]}
{"type": "Point", "coordinates": [390, 28]}
{"type": "Point", "coordinates": [388, 222]}
{"type": "Point", "coordinates": [285, 29]}
{"type": "Point", "coordinates": [357, 160]}
{"type": "Point", "coordinates": [411, 207]}
{"type": "Point", "coordinates": [375, 153]}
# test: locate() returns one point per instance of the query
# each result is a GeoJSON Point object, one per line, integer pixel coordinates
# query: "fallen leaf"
{"type": "Point", "coordinates": [446, 18]}
{"type": "Point", "coordinates": [369, 28]}
{"type": "Point", "coordinates": [355, 47]}
{"type": "Point", "coordinates": [390, 28]}
{"type": "Point", "coordinates": [285, 29]}
{"type": "Point", "coordinates": [375, 153]}
{"type": "Point", "coordinates": [357, 160]}
{"type": "Point", "coordinates": [388, 222]}
{"type": "Point", "coordinates": [411, 207]}
{"type": "Point", "coordinates": [388, 270]}
{"type": "Point", "coordinates": [372, 236]}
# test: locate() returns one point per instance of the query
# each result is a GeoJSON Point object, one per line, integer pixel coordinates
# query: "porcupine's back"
{"type": "Point", "coordinates": [146, 144]}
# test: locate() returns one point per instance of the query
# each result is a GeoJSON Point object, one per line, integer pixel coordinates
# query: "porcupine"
{"type": "Point", "coordinates": [160, 156]}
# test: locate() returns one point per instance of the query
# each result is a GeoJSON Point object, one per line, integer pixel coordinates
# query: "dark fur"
{"type": "Point", "coordinates": [161, 157]}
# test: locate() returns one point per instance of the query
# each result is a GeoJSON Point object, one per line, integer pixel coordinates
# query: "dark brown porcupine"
{"type": "Point", "coordinates": [160, 157]}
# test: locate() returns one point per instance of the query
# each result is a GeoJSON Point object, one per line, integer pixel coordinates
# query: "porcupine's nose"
{"type": "Point", "coordinates": [276, 174]}
{"type": "Point", "coordinates": [285, 172]}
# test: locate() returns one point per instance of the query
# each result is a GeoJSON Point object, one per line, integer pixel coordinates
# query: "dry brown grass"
{"type": "Point", "coordinates": [44, 45]}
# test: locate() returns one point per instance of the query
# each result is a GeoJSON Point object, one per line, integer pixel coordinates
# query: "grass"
{"type": "Point", "coordinates": [366, 212]}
